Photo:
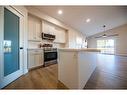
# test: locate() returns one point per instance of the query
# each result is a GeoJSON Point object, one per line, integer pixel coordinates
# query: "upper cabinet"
{"type": "Point", "coordinates": [48, 28]}
{"type": "Point", "coordinates": [34, 28]}
{"type": "Point", "coordinates": [54, 30]}
{"type": "Point", "coordinates": [60, 35]}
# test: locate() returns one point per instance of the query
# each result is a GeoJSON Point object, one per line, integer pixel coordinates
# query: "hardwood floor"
{"type": "Point", "coordinates": [111, 73]}
{"type": "Point", "coordinates": [42, 78]}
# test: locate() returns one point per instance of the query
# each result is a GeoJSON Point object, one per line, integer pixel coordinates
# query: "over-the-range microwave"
{"type": "Point", "coordinates": [48, 36]}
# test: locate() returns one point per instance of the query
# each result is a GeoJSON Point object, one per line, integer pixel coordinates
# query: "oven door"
{"type": "Point", "coordinates": [48, 56]}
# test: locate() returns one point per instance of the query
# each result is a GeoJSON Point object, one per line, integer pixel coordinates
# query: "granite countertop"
{"type": "Point", "coordinates": [78, 50]}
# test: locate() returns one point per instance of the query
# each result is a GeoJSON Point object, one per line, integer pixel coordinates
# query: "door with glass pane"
{"type": "Point", "coordinates": [106, 45]}
{"type": "Point", "coordinates": [12, 55]}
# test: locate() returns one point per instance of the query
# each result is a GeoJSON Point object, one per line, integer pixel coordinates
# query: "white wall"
{"type": "Point", "coordinates": [72, 33]}
{"type": "Point", "coordinates": [120, 41]}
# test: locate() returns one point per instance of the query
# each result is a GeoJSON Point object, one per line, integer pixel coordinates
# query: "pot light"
{"type": "Point", "coordinates": [88, 20]}
{"type": "Point", "coordinates": [60, 12]}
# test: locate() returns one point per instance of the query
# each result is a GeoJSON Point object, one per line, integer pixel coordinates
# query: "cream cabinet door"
{"type": "Point", "coordinates": [62, 36]}
{"type": "Point", "coordinates": [38, 58]}
{"type": "Point", "coordinates": [35, 58]}
{"type": "Point", "coordinates": [45, 27]}
{"type": "Point", "coordinates": [34, 29]}
{"type": "Point", "coordinates": [52, 29]}
{"type": "Point", "coordinates": [31, 59]}
{"type": "Point", "coordinates": [48, 28]}
{"type": "Point", "coordinates": [38, 30]}
{"type": "Point", "coordinates": [56, 33]}
{"type": "Point", "coordinates": [31, 29]}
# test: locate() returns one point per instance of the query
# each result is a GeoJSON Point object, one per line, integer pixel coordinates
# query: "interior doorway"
{"type": "Point", "coordinates": [11, 66]}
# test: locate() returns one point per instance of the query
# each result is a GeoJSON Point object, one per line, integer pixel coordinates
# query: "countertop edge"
{"type": "Point", "coordinates": [78, 50]}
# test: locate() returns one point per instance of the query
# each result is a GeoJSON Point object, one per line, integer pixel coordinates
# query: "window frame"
{"type": "Point", "coordinates": [108, 39]}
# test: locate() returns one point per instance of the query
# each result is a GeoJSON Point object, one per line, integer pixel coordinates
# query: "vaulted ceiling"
{"type": "Point", "coordinates": [75, 16]}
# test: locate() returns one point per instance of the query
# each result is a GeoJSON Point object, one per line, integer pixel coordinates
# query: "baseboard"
{"type": "Point", "coordinates": [124, 55]}
{"type": "Point", "coordinates": [35, 68]}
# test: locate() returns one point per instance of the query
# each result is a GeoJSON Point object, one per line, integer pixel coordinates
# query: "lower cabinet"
{"type": "Point", "coordinates": [35, 58]}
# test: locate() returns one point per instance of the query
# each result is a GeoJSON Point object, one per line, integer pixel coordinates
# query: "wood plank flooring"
{"type": "Point", "coordinates": [111, 73]}
{"type": "Point", "coordinates": [42, 78]}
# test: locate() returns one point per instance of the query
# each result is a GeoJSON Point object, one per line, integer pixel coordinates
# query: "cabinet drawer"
{"type": "Point", "coordinates": [35, 51]}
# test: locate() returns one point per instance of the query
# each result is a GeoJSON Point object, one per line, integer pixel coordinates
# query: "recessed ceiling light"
{"type": "Point", "coordinates": [60, 12]}
{"type": "Point", "coordinates": [88, 20]}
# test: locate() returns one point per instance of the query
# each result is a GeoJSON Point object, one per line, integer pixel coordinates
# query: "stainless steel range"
{"type": "Point", "coordinates": [50, 55]}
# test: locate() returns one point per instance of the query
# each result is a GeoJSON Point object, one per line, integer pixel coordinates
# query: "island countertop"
{"type": "Point", "coordinates": [78, 50]}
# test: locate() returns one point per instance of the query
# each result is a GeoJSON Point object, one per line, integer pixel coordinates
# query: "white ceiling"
{"type": "Point", "coordinates": [75, 16]}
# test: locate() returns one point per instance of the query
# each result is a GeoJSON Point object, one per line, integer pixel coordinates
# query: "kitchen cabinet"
{"type": "Point", "coordinates": [56, 33]}
{"type": "Point", "coordinates": [34, 29]}
{"type": "Point", "coordinates": [47, 28]}
{"type": "Point", "coordinates": [81, 65]}
{"type": "Point", "coordinates": [30, 28]}
{"type": "Point", "coordinates": [35, 58]}
{"type": "Point", "coordinates": [75, 39]}
{"type": "Point", "coordinates": [60, 35]}
{"type": "Point", "coordinates": [72, 39]}
{"type": "Point", "coordinates": [54, 30]}
{"type": "Point", "coordinates": [38, 30]}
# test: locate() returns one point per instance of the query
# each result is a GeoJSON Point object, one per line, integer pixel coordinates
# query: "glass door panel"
{"type": "Point", "coordinates": [11, 42]}
{"type": "Point", "coordinates": [106, 46]}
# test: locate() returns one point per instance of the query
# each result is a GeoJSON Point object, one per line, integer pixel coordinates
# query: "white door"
{"type": "Point", "coordinates": [11, 45]}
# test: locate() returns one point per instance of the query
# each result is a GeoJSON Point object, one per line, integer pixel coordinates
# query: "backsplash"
{"type": "Point", "coordinates": [32, 44]}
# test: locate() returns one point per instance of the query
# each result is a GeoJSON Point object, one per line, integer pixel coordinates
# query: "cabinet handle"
{"type": "Point", "coordinates": [74, 55]}
{"type": "Point", "coordinates": [21, 48]}
{"type": "Point", "coordinates": [36, 51]}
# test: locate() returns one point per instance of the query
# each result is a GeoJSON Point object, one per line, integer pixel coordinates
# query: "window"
{"type": "Point", "coordinates": [106, 46]}
{"type": "Point", "coordinates": [79, 42]}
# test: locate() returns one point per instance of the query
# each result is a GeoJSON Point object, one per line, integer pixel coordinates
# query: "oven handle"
{"type": "Point", "coordinates": [49, 51]}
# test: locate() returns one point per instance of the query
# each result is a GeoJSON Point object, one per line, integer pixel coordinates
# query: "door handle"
{"type": "Point", "coordinates": [21, 47]}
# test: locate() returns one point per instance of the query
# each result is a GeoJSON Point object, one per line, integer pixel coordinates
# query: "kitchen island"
{"type": "Point", "coordinates": [75, 66]}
